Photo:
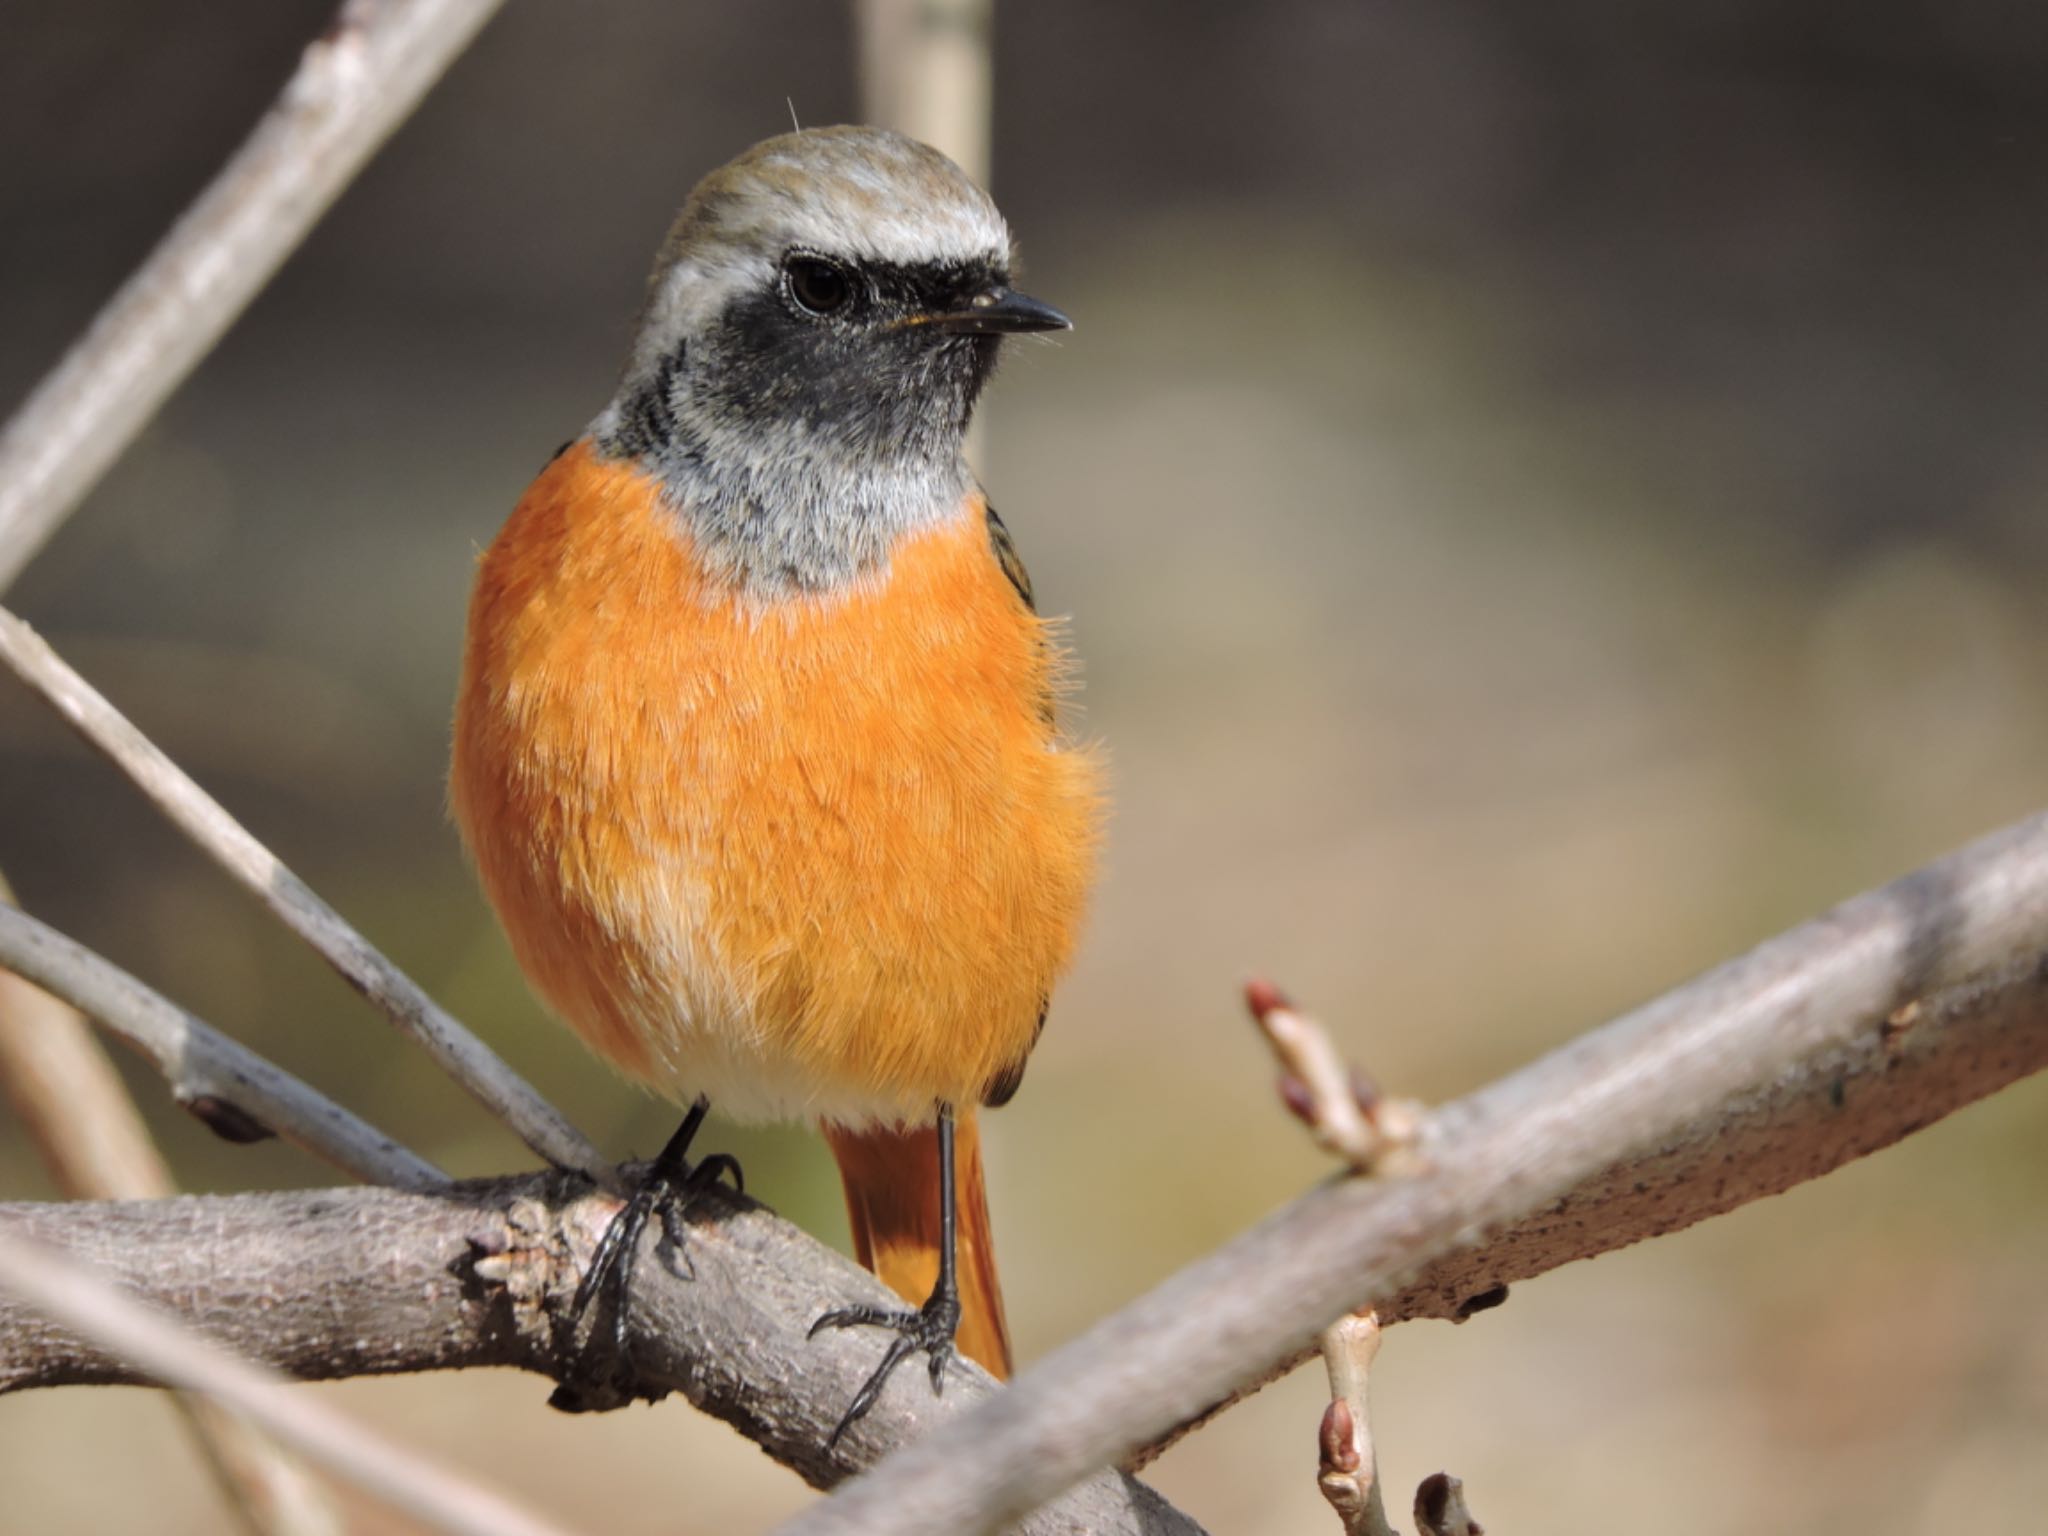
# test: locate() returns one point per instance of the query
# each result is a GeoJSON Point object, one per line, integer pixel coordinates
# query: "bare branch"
{"type": "Point", "coordinates": [1824, 1044]}
{"type": "Point", "coordinates": [92, 1139]}
{"type": "Point", "coordinates": [70, 1292]}
{"type": "Point", "coordinates": [337, 1283]}
{"type": "Point", "coordinates": [355, 84]}
{"type": "Point", "coordinates": [464, 1057]}
{"type": "Point", "coordinates": [228, 1085]}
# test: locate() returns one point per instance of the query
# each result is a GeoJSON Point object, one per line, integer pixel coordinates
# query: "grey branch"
{"type": "Point", "coordinates": [356, 83]}
{"type": "Point", "coordinates": [467, 1059]}
{"type": "Point", "coordinates": [1820, 1046]}
{"type": "Point", "coordinates": [208, 1073]}
{"type": "Point", "coordinates": [61, 1288]}
{"type": "Point", "coordinates": [1824, 1044]}
{"type": "Point", "coordinates": [339, 1283]}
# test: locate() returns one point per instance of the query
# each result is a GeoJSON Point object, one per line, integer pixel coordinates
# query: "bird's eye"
{"type": "Point", "coordinates": [820, 287]}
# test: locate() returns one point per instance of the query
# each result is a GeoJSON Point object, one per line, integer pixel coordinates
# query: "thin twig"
{"type": "Point", "coordinates": [1830, 1041]}
{"type": "Point", "coordinates": [91, 1138]}
{"type": "Point", "coordinates": [1348, 1470]}
{"type": "Point", "coordinates": [73, 1295]}
{"type": "Point", "coordinates": [226, 1084]}
{"type": "Point", "coordinates": [355, 84]}
{"type": "Point", "coordinates": [467, 1059]}
{"type": "Point", "coordinates": [1348, 1116]}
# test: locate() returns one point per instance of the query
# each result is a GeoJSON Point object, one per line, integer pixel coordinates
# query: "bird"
{"type": "Point", "coordinates": [761, 747]}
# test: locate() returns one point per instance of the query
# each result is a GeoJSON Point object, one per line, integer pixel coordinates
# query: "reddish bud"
{"type": "Point", "coordinates": [1294, 1094]}
{"type": "Point", "coordinates": [1262, 997]}
{"type": "Point", "coordinates": [1338, 1441]}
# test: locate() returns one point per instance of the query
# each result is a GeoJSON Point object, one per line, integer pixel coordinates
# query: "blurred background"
{"type": "Point", "coordinates": [1547, 496]}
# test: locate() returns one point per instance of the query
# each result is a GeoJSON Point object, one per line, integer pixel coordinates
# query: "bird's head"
{"type": "Point", "coordinates": [836, 295]}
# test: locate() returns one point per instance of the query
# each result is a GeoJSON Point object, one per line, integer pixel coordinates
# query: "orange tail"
{"type": "Point", "coordinates": [892, 1199]}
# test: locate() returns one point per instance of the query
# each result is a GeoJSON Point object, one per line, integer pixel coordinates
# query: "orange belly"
{"type": "Point", "coordinates": [820, 856]}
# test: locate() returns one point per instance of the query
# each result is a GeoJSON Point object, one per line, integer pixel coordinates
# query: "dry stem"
{"type": "Point", "coordinates": [464, 1057]}
{"type": "Point", "coordinates": [357, 82]}
{"type": "Point", "coordinates": [236, 1092]}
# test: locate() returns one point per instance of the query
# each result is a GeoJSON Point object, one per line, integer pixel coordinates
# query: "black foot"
{"type": "Point", "coordinates": [930, 1328]}
{"type": "Point", "coordinates": [669, 1187]}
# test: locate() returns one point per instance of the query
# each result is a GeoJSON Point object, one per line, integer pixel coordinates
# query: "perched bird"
{"type": "Point", "coordinates": [756, 749]}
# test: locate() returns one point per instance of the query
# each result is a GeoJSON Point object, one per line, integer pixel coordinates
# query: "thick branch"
{"type": "Point", "coordinates": [337, 1283]}
{"type": "Point", "coordinates": [1825, 1043]}
{"type": "Point", "coordinates": [356, 83]}
{"type": "Point", "coordinates": [200, 817]}
{"type": "Point", "coordinates": [226, 1084]}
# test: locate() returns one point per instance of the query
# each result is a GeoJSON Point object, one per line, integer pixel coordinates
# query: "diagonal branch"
{"type": "Point", "coordinates": [355, 84]}
{"type": "Point", "coordinates": [200, 817]}
{"type": "Point", "coordinates": [1826, 1043]}
{"type": "Point", "coordinates": [226, 1084]}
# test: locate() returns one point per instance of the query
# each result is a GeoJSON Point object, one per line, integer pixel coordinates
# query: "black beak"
{"type": "Point", "coordinates": [1001, 312]}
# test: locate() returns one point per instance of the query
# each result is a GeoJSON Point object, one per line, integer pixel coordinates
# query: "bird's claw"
{"type": "Point", "coordinates": [930, 1328]}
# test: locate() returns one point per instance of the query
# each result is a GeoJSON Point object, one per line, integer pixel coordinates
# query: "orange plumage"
{"type": "Point", "coordinates": [814, 856]}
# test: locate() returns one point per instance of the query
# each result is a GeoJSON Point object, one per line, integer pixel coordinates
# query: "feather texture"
{"type": "Point", "coordinates": [816, 857]}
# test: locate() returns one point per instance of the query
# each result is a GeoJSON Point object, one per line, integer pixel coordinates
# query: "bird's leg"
{"type": "Point", "coordinates": [931, 1327]}
{"type": "Point", "coordinates": [668, 1187]}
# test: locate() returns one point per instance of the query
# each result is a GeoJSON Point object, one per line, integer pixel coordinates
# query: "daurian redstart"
{"type": "Point", "coordinates": [757, 748]}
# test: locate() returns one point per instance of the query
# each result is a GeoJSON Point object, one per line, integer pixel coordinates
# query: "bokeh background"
{"type": "Point", "coordinates": [1547, 496]}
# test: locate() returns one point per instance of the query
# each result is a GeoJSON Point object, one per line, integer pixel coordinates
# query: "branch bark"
{"type": "Point", "coordinates": [356, 83]}
{"type": "Point", "coordinates": [324, 1284]}
{"type": "Point", "coordinates": [200, 817]}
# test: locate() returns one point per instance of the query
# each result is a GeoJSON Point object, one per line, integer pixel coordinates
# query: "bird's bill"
{"type": "Point", "coordinates": [1000, 312]}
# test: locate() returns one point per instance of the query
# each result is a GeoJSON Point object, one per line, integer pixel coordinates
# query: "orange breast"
{"type": "Point", "coordinates": [819, 856]}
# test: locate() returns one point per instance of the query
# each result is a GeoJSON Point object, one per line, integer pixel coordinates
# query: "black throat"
{"type": "Point", "coordinates": [798, 447]}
